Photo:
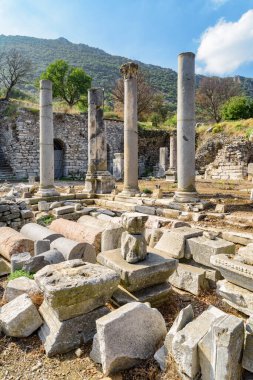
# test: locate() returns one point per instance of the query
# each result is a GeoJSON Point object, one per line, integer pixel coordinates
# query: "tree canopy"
{"type": "Point", "coordinates": [238, 107]}
{"type": "Point", "coordinates": [69, 83]}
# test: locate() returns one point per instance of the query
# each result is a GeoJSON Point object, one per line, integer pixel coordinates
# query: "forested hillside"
{"type": "Point", "coordinates": [101, 66]}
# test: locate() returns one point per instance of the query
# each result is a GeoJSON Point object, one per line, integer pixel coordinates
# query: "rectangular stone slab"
{"type": "Point", "coordinates": [155, 269]}
{"type": "Point", "coordinates": [59, 337]}
{"type": "Point", "coordinates": [172, 243]}
{"type": "Point", "coordinates": [189, 278]}
{"type": "Point", "coordinates": [234, 271]}
{"type": "Point", "coordinates": [74, 287]}
{"type": "Point", "coordinates": [202, 248]}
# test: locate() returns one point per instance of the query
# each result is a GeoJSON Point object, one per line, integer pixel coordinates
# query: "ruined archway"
{"type": "Point", "coordinates": [58, 158]}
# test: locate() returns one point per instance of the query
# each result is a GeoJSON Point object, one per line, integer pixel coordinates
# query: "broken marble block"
{"type": "Point", "coordinates": [173, 243]}
{"type": "Point", "coordinates": [5, 267]}
{"type": "Point", "coordinates": [133, 247]}
{"type": "Point", "coordinates": [220, 350]}
{"type": "Point", "coordinates": [35, 263]}
{"type": "Point", "coordinates": [18, 260]}
{"type": "Point", "coordinates": [235, 296]}
{"type": "Point", "coordinates": [154, 270]}
{"type": "Point", "coordinates": [234, 271]}
{"type": "Point", "coordinates": [20, 318]}
{"type": "Point", "coordinates": [126, 336]}
{"type": "Point", "coordinates": [74, 287]}
{"type": "Point", "coordinates": [185, 316]}
{"type": "Point", "coordinates": [41, 246]}
{"type": "Point", "coordinates": [189, 278]}
{"type": "Point", "coordinates": [201, 249]}
{"type": "Point", "coordinates": [185, 342]}
{"type": "Point", "coordinates": [134, 222]}
{"type": "Point", "coordinates": [21, 285]}
{"type": "Point", "coordinates": [247, 359]}
{"type": "Point", "coordinates": [59, 337]}
{"type": "Point", "coordinates": [247, 254]}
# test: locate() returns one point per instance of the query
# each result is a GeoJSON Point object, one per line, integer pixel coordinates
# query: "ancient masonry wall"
{"type": "Point", "coordinates": [19, 141]}
{"type": "Point", "coordinates": [231, 161]}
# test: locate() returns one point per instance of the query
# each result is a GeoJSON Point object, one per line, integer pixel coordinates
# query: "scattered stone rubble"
{"type": "Point", "coordinates": [14, 213]}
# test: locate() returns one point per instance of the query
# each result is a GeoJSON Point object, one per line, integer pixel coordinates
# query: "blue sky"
{"type": "Point", "coordinates": [153, 31]}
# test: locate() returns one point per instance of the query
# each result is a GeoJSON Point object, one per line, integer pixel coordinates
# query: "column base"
{"type": "Point", "coordinates": [129, 192]}
{"type": "Point", "coordinates": [99, 183]}
{"type": "Point", "coordinates": [171, 176]}
{"type": "Point", "coordinates": [186, 197]}
{"type": "Point", "coordinates": [47, 192]}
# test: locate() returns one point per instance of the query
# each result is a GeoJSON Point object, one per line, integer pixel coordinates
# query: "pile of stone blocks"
{"type": "Point", "coordinates": [70, 210]}
{"type": "Point", "coordinates": [143, 272]}
{"type": "Point", "coordinates": [194, 249]}
{"type": "Point", "coordinates": [208, 347]}
{"type": "Point", "coordinates": [237, 287]}
{"type": "Point", "coordinates": [14, 214]}
{"type": "Point", "coordinates": [74, 297]}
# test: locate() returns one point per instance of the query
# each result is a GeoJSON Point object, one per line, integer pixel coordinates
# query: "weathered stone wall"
{"type": "Point", "coordinates": [19, 141]}
{"type": "Point", "coordinates": [231, 161]}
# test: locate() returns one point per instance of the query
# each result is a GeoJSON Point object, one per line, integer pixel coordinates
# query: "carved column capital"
{"type": "Point", "coordinates": [129, 70]}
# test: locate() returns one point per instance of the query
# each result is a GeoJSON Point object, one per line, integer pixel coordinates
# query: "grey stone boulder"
{"type": "Point", "coordinates": [59, 337]}
{"type": "Point", "coordinates": [21, 285]}
{"type": "Point", "coordinates": [73, 288]}
{"type": "Point", "coordinates": [189, 278]}
{"type": "Point", "coordinates": [35, 263]}
{"type": "Point", "coordinates": [133, 247]}
{"type": "Point", "coordinates": [20, 318]}
{"type": "Point", "coordinates": [41, 246]}
{"type": "Point", "coordinates": [18, 260]}
{"type": "Point", "coordinates": [134, 222]}
{"type": "Point", "coordinates": [127, 335]}
{"type": "Point", "coordinates": [247, 359]}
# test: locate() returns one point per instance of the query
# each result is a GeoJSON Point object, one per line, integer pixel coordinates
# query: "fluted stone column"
{"type": "Point", "coordinates": [129, 72]}
{"type": "Point", "coordinates": [98, 179]}
{"type": "Point", "coordinates": [171, 173]}
{"type": "Point", "coordinates": [186, 191]}
{"type": "Point", "coordinates": [46, 141]}
{"type": "Point", "coordinates": [163, 161]}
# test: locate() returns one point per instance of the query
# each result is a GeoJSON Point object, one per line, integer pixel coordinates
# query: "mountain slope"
{"type": "Point", "coordinates": [101, 66]}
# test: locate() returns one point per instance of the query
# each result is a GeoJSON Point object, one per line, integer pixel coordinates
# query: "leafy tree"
{"type": "Point", "coordinates": [238, 107]}
{"type": "Point", "coordinates": [14, 70]}
{"type": "Point", "coordinates": [213, 93]}
{"type": "Point", "coordinates": [145, 95]}
{"type": "Point", "coordinates": [69, 83]}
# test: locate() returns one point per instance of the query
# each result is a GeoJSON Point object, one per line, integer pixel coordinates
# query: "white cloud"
{"type": "Point", "coordinates": [226, 46]}
{"type": "Point", "coordinates": [218, 3]}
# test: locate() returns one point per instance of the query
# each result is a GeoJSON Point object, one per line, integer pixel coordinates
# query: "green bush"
{"type": "Point", "coordinates": [19, 273]}
{"type": "Point", "coordinates": [218, 128]}
{"type": "Point", "coordinates": [45, 220]}
{"type": "Point", "coordinates": [238, 107]}
{"type": "Point", "coordinates": [147, 191]}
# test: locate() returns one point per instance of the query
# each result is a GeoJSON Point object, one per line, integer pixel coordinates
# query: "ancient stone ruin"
{"type": "Point", "coordinates": [141, 278]}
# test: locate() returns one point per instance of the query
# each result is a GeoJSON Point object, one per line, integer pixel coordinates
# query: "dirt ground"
{"type": "Point", "coordinates": [24, 359]}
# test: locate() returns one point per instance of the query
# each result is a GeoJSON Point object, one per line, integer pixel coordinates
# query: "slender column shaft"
{"type": "Point", "coordinates": [186, 127]}
{"type": "Point", "coordinates": [173, 151]}
{"type": "Point", "coordinates": [129, 71]}
{"type": "Point", "coordinates": [46, 140]}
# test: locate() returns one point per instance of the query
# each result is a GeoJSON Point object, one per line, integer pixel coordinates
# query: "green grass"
{"type": "Point", "coordinates": [46, 220]}
{"type": "Point", "coordinates": [19, 273]}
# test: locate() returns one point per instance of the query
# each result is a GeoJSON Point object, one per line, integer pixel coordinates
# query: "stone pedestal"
{"type": "Point", "coordinates": [46, 188]}
{"type": "Point", "coordinates": [163, 161]}
{"type": "Point", "coordinates": [118, 166]}
{"type": "Point", "coordinates": [171, 173]}
{"type": "Point", "coordinates": [129, 71]}
{"type": "Point", "coordinates": [186, 191]}
{"type": "Point", "coordinates": [98, 179]}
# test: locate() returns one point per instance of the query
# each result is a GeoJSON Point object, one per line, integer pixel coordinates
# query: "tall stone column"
{"type": "Point", "coordinates": [186, 191]}
{"type": "Point", "coordinates": [98, 179]}
{"type": "Point", "coordinates": [171, 173]}
{"type": "Point", "coordinates": [118, 166]}
{"type": "Point", "coordinates": [46, 188]}
{"type": "Point", "coordinates": [129, 72]}
{"type": "Point", "coordinates": [163, 161]}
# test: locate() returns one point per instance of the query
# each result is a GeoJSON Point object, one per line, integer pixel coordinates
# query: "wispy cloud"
{"type": "Point", "coordinates": [218, 3]}
{"type": "Point", "coordinates": [226, 46]}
